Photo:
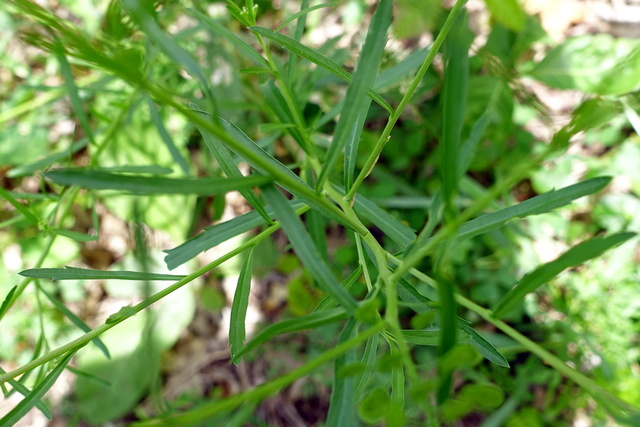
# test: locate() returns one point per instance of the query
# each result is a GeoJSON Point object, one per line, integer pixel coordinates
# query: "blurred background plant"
{"type": "Point", "coordinates": [530, 75]}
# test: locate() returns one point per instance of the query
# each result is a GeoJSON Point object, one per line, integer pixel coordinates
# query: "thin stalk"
{"type": "Point", "coordinates": [391, 122]}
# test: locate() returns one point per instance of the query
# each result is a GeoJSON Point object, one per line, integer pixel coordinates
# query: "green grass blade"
{"type": "Point", "coordinates": [353, 141]}
{"type": "Point", "coordinates": [213, 236]}
{"type": "Point", "coordinates": [341, 402]}
{"type": "Point", "coordinates": [75, 320]}
{"type": "Point", "coordinates": [305, 248]}
{"type": "Point", "coordinates": [454, 97]}
{"type": "Point", "coordinates": [101, 180]}
{"type": "Point", "coordinates": [7, 301]}
{"type": "Point", "coordinates": [89, 376]}
{"type": "Point", "coordinates": [145, 169]}
{"type": "Point", "coordinates": [228, 166]}
{"type": "Point", "coordinates": [142, 13]}
{"type": "Point", "coordinates": [73, 273]}
{"type": "Point", "coordinates": [430, 336]}
{"type": "Point", "coordinates": [166, 138]}
{"type": "Point", "coordinates": [225, 34]}
{"type": "Point", "coordinates": [483, 346]}
{"type": "Point", "coordinates": [575, 256]}
{"type": "Point", "coordinates": [78, 237]}
{"type": "Point", "coordinates": [448, 335]}
{"type": "Point", "coordinates": [395, 74]}
{"type": "Point", "coordinates": [239, 308]}
{"type": "Point", "coordinates": [363, 78]}
{"type": "Point", "coordinates": [20, 388]}
{"type": "Point", "coordinates": [318, 59]}
{"type": "Point", "coordinates": [33, 398]}
{"type": "Point", "coordinates": [302, 323]}
{"type": "Point", "coordinates": [276, 101]}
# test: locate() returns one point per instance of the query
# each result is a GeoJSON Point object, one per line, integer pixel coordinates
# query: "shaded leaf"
{"type": "Point", "coordinates": [239, 308]}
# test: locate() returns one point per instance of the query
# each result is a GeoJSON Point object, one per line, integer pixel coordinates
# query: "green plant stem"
{"type": "Point", "coordinates": [266, 389]}
{"type": "Point", "coordinates": [391, 122]}
{"type": "Point", "coordinates": [86, 338]}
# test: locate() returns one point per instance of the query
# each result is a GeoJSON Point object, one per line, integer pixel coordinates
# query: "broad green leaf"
{"type": "Point", "coordinates": [20, 388]}
{"type": "Point", "coordinates": [599, 64]}
{"type": "Point", "coordinates": [239, 308]}
{"type": "Point", "coordinates": [508, 13]}
{"type": "Point", "coordinates": [34, 398]}
{"type": "Point", "coordinates": [101, 180]}
{"type": "Point", "coordinates": [310, 321]}
{"type": "Point", "coordinates": [356, 104]}
{"type": "Point", "coordinates": [462, 356]}
{"type": "Point", "coordinates": [318, 59]}
{"type": "Point", "coordinates": [306, 249]}
{"type": "Point", "coordinates": [228, 166]}
{"type": "Point", "coordinates": [341, 402]}
{"type": "Point", "coordinates": [166, 138]}
{"type": "Point", "coordinates": [75, 320]}
{"type": "Point", "coordinates": [225, 34]}
{"type": "Point", "coordinates": [73, 273]}
{"type": "Point", "coordinates": [575, 256]}
{"type": "Point", "coordinates": [373, 408]}
{"type": "Point", "coordinates": [214, 235]}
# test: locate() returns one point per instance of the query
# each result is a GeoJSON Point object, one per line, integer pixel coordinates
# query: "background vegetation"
{"type": "Point", "coordinates": [478, 148]}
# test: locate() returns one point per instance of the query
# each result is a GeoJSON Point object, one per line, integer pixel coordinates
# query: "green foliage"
{"type": "Point", "coordinates": [419, 172]}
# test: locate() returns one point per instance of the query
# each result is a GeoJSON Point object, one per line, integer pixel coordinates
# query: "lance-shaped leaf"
{"type": "Point", "coordinates": [355, 99]}
{"type": "Point", "coordinates": [20, 388]}
{"type": "Point", "coordinates": [214, 235]}
{"type": "Point", "coordinates": [572, 258]}
{"type": "Point", "coordinates": [305, 248]}
{"type": "Point", "coordinates": [101, 180]}
{"type": "Point", "coordinates": [341, 403]}
{"type": "Point", "coordinates": [239, 308]}
{"type": "Point", "coordinates": [317, 58]}
{"type": "Point", "coordinates": [302, 323]}
{"type": "Point", "coordinates": [73, 273]}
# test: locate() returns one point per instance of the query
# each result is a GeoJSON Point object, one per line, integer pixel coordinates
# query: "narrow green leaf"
{"type": "Point", "coordinates": [575, 256]}
{"type": "Point", "coordinates": [100, 180]}
{"type": "Point", "coordinates": [33, 398]}
{"type": "Point", "coordinates": [214, 235]}
{"type": "Point", "coordinates": [448, 335]}
{"type": "Point", "coordinates": [75, 320]}
{"type": "Point", "coordinates": [302, 323]}
{"type": "Point", "coordinates": [142, 13]}
{"type": "Point", "coordinates": [304, 12]}
{"type": "Point", "coordinates": [142, 169]}
{"type": "Point", "coordinates": [454, 97]}
{"type": "Point", "coordinates": [368, 360]}
{"type": "Point", "coordinates": [430, 336]}
{"type": "Point", "coordinates": [5, 304]}
{"type": "Point", "coordinates": [72, 90]}
{"type": "Point", "coordinates": [306, 249]}
{"type": "Point", "coordinates": [341, 402]}
{"type": "Point", "coordinates": [302, 190]}
{"type": "Point", "coordinates": [73, 273]}
{"type": "Point", "coordinates": [318, 59]}
{"type": "Point", "coordinates": [421, 304]}
{"type": "Point", "coordinates": [20, 388]}
{"type": "Point", "coordinates": [227, 35]}
{"type": "Point", "coordinates": [228, 166]}
{"type": "Point", "coordinates": [78, 237]}
{"type": "Point", "coordinates": [395, 74]}
{"type": "Point", "coordinates": [166, 138]}
{"type": "Point", "coordinates": [239, 308]}
{"type": "Point", "coordinates": [16, 204]}
{"type": "Point", "coordinates": [87, 375]}
{"type": "Point", "coordinates": [355, 101]}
